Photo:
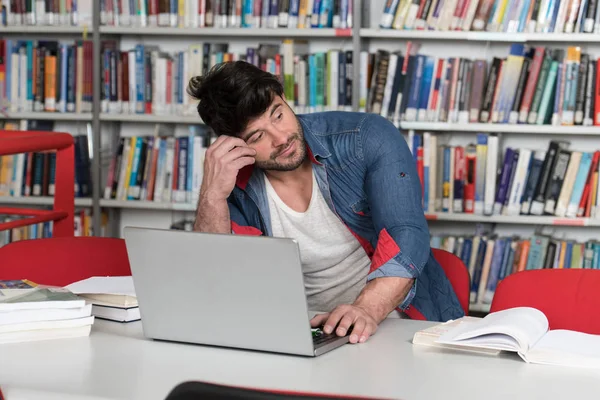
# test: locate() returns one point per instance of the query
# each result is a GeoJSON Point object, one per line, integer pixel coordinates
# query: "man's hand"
{"type": "Point", "coordinates": [224, 158]}
{"type": "Point", "coordinates": [345, 317]}
{"type": "Point", "coordinates": [378, 298]}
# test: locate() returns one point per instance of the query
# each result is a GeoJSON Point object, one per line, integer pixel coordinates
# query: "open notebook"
{"type": "Point", "coordinates": [524, 330]}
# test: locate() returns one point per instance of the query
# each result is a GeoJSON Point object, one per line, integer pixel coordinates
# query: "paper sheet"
{"type": "Point", "coordinates": [118, 285]}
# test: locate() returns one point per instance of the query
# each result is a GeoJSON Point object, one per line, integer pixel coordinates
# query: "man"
{"type": "Point", "coordinates": [344, 185]}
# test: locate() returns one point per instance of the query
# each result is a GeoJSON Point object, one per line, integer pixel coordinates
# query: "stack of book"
{"type": "Point", "coordinates": [112, 298]}
{"type": "Point", "coordinates": [29, 312]}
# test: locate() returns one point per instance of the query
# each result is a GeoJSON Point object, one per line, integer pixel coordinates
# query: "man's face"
{"type": "Point", "coordinates": [277, 138]}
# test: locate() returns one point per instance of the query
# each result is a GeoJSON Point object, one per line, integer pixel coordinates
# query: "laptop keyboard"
{"type": "Point", "coordinates": [321, 338]}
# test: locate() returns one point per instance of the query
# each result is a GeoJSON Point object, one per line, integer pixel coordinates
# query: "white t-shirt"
{"type": "Point", "coordinates": [334, 263]}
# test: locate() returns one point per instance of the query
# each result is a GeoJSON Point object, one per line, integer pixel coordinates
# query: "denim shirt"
{"type": "Point", "coordinates": [368, 177]}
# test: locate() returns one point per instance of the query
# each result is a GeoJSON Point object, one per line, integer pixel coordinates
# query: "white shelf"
{"type": "Point", "coordinates": [44, 29]}
{"type": "Point", "coordinates": [480, 36]}
{"type": "Point", "coordinates": [40, 201]}
{"type": "Point", "coordinates": [480, 307]}
{"type": "Point", "coordinates": [147, 205]}
{"type": "Point", "coordinates": [150, 118]}
{"type": "Point", "coordinates": [54, 116]}
{"type": "Point", "coordinates": [230, 32]}
{"type": "Point", "coordinates": [520, 219]}
{"type": "Point", "coordinates": [504, 128]}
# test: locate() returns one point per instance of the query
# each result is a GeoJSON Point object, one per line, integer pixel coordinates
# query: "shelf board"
{"type": "Point", "coordinates": [150, 118]}
{"type": "Point", "coordinates": [480, 36]}
{"type": "Point", "coordinates": [40, 201]}
{"type": "Point", "coordinates": [48, 116]}
{"type": "Point", "coordinates": [231, 32]}
{"type": "Point", "coordinates": [504, 128]}
{"type": "Point", "coordinates": [520, 219]}
{"type": "Point", "coordinates": [480, 307]}
{"type": "Point", "coordinates": [147, 205]}
{"type": "Point", "coordinates": [43, 29]}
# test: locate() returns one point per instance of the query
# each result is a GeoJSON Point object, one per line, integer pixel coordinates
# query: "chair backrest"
{"type": "Point", "coordinates": [570, 298]}
{"type": "Point", "coordinates": [193, 390]}
{"type": "Point", "coordinates": [62, 261]}
{"type": "Point", "coordinates": [458, 275]}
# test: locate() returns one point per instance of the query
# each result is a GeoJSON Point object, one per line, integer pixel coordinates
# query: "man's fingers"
{"type": "Point", "coordinates": [242, 162]}
{"type": "Point", "coordinates": [238, 152]}
{"type": "Point", "coordinates": [369, 330]}
{"type": "Point", "coordinates": [318, 320]}
{"type": "Point", "coordinates": [333, 320]}
{"type": "Point", "coordinates": [222, 147]}
{"type": "Point", "coordinates": [357, 330]}
{"type": "Point", "coordinates": [345, 324]}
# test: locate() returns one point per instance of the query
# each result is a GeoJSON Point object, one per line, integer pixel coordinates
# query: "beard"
{"type": "Point", "coordinates": [289, 162]}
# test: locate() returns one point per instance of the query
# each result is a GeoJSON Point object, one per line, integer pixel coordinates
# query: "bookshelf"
{"type": "Point", "coordinates": [41, 201]}
{"type": "Point", "coordinates": [562, 241]}
{"type": "Point", "coordinates": [150, 118]}
{"type": "Point", "coordinates": [498, 37]}
{"type": "Point", "coordinates": [503, 128]}
{"type": "Point", "coordinates": [287, 33]}
{"type": "Point", "coordinates": [161, 214]}
{"type": "Point", "coordinates": [365, 35]}
{"type": "Point", "coordinates": [147, 205]}
{"type": "Point", "coordinates": [25, 30]}
{"type": "Point", "coordinates": [510, 220]}
{"type": "Point", "coordinates": [47, 116]}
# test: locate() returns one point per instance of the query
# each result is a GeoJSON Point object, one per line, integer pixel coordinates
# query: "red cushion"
{"type": "Point", "coordinates": [570, 298]}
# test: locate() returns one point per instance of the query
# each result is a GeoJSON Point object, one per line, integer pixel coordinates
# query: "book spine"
{"type": "Point", "coordinates": [532, 180]}
{"type": "Point", "coordinates": [556, 181]}
{"type": "Point", "coordinates": [504, 183]}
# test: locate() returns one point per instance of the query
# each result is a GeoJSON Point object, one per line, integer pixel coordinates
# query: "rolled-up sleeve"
{"type": "Point", "coordinates": [393, 188]}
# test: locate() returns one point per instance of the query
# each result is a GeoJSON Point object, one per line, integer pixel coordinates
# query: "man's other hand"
{"type": "Point", "coordinates": [346, 317]}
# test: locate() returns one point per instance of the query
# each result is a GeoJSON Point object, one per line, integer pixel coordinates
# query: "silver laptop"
{"type": "Point", "coordinates": [223, 290]}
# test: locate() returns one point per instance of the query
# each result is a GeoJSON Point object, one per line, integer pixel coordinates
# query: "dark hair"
{"type": "Point", "coordinates": [232, 94]}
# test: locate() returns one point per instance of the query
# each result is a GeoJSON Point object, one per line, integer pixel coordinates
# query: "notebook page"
{"type": "Point", "coordinates": [515, 329]}
{"type": "Point", "coordinates": [568, 348]}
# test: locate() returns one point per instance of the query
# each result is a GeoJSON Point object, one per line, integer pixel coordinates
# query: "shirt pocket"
{"type": "Point", "coordinates": [362, 208]}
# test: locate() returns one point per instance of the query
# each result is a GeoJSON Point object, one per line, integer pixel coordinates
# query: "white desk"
{"type": "Point", "coordinates": [116, 362]}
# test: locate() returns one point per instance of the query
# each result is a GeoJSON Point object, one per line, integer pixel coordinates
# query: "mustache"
{"type": "Point", "coordinates": [284, 147]}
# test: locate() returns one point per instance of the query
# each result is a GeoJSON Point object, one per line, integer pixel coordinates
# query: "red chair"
{"type": "Point", "coordinates": [62, 261]}
{"type": "Point", "coordinates": [458, 275]}
{"type": "Point", "coordinates": [570, 298]}
{"type": "Point", "coordinates": [194, 390]}
{"type": "Point", "coordinates": [15, 142]}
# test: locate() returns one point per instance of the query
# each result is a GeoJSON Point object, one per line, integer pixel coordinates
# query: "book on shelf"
{"type": "Point", "coordinates": [112, 298]}
{"type": "Point", "coordinates": [161, 168]}
{"type": "Point", "coordinates": [291, 14]}
{"type": "Point", "coordinates": [534, 85]}
{"type": "Point", "coordinates": [525, 331]}
{"type": "Point", "coordinates": [51, 13]}
{"type": "Point", "coordinates": [33, 174]}
{"type": "Point", "coordinates": [149, 80]}
{"type": "Point", "coordinates": [31, 312]}
{"type": "Point", "coordinates": [46, 75]}
{"type": "Point", "coordinates": [82, 221]}
{"type": "Point", "coordinates": [491, 257]}
{"type": "Point", "coordinates": [479, 178]}
{"type": "Point", "coordinates": [511, 16]}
